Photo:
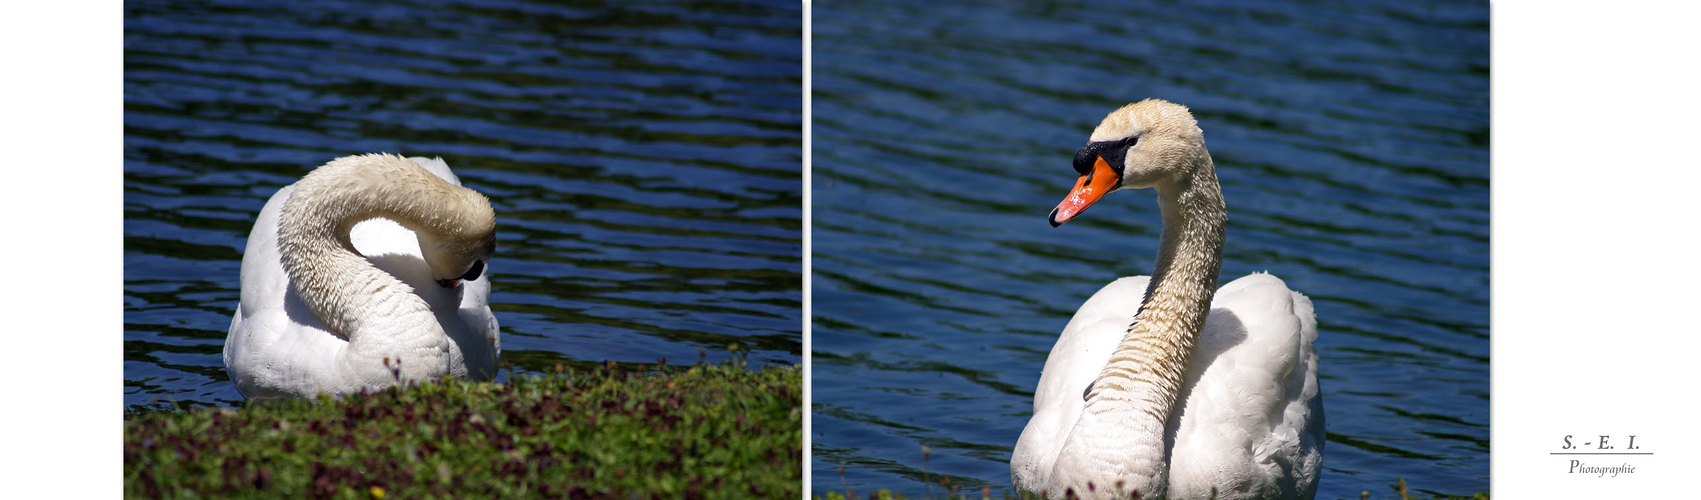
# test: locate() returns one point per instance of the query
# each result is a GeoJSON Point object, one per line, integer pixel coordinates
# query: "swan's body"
{"type": "Point", "coordinates": [1158, 385]}
{"type": "Point", "coordinates": [363, 275]}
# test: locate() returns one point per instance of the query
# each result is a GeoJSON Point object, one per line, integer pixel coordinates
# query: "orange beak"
{"type": "Point", "coordinates": [1088, 189]}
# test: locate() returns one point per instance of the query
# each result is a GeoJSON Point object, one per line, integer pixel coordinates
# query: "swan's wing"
{"type": "Point", "coordinates": [1304, 411]}
{"type": "Point", "coordinates": [1080, 354]}
{"type": "Point", "coordinates": [263, 281]}
{"type": "Point", "coordinates": [282, 352]}
{"type": "Point", "coordinates": [254, 327]}
{"type": "Point", "coordinates": [1251, 422]}
{"type": "Point", "coordinates": [438, 167]}
{"type": "Point", "coordinates": [275, 343]}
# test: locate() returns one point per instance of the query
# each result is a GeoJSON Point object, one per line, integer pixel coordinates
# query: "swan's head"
{"type": "Point", "coordinates": [461, 254]}
{"type": "Point", "coordinates": [1147, 144]}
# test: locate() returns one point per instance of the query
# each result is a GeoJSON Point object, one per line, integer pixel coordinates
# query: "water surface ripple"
{"type": "Point", "coordinates": [1351, 139]}
{"type": "Point", "coordinates": [643, 158]}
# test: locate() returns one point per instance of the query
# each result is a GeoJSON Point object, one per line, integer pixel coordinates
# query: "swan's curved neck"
{"type": "Point", "coordinates": [1138, 388]}
{"type": "Point", "coordinates": [348, 294]}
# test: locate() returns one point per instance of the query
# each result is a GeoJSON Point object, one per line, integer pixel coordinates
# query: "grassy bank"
{"type": "Point", "coordinates": [707, 431]}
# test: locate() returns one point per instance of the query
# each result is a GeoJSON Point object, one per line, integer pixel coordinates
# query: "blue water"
{"type": "Point", "coordinates": [643, 157]}
{"type": "Point", "coordinates": [1351, 139]}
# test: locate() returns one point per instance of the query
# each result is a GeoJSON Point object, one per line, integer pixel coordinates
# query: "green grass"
{"type": "Point", "coordinates": [707, 431]}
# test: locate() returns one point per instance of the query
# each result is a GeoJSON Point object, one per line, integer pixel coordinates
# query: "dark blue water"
{"type": "Point", "coordinates": [644, 160]}
{"type": "Point", "coordinates": [1351, 139]}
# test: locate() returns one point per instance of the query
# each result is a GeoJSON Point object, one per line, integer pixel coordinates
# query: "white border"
{"type": "Point", "coordinates": [1595, 239]}
{"type": "Point", "coordinates": [63, 248]}
{"type": "Point", "coordinates": [808, 247]}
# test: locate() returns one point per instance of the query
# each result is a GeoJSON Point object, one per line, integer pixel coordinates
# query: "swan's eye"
{"type": "Point", "coordinates": [1131, 141]}
{"type": "Point", "coordinates": [477, 269]}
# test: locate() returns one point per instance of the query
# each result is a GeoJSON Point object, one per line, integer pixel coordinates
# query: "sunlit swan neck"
{"type": "Point", "coordinates": [1131, 401]}
{"type": "Point", "coordinates": [353, 298]}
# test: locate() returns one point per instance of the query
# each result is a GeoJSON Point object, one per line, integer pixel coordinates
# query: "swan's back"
{"type": "Point", "coordinates": [437, 167]}
{"type": "Point", "coordinates": [269, 318]}
{"type": "Point", "coordinates": [1249, 420]}
{"type": "Point", "coordinates": [277, 347]}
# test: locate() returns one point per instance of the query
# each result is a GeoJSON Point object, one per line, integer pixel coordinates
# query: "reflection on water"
{"type": "Point", "coordinates": [1351, 141]}
{"type": "Point", "coordinates": [643, 159]}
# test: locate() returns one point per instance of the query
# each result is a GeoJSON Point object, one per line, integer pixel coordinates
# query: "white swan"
{"type": "Point", "coordinates": [1154, 387]}
{"type": "Point", "coordinates": [365, 274]}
